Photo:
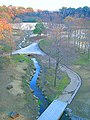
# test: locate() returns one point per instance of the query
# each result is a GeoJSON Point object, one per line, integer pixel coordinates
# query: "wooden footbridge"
{"type": "Point", "coordinates": [54, 111]}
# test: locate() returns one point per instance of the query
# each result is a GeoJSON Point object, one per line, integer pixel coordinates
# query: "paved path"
{"type": "Point", "coordinates": [31, 49]}
{"type": "Point", "coordinates": [71, 90]}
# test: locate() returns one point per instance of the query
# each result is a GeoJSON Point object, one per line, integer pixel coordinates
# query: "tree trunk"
{"type": "Point", "coordinates": [55, 80]}
{"type": "Point", "coordinates": [85, 48]}
{"type": "Point", "coordinates": [89, 51]}
{"type": "Point", "coordinates": [49, 62]}
{"type": "Point", "coordinates": [75, 39]}
{"type": "Point", "coordinates": [79, 45]}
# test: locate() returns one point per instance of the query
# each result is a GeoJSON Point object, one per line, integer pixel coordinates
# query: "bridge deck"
{"type": "Point", "coordinates": [54, 111]}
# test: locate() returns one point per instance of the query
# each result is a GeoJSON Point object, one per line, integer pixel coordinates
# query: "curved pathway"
{"type": "Point", "coordinates": [71, 90]}
{"type": "Point", "coordinates": [75, 81]}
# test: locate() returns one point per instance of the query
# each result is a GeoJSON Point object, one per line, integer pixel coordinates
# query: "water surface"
{"type": "Point", "coordinates": [44, 103]}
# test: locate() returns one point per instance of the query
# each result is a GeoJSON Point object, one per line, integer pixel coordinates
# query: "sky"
{"type": "Point", "coordinates": [46, 4]}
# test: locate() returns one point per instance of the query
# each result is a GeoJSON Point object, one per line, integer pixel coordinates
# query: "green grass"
{"type": "Point", "coordinates": [50, 91]}
{"type": "Point", "coordinates": [4, 62]}
{"type": "Point", "coordinates": [48, 47]}
{"type": "Point", "coordinates": [45, 45]}
{"type": "Point", "coordinates": [81, 103]}
{"type": "Point", "coordinates": [39, 102]}
{"type": "Point", "coordinates": [21, 58]}
{"type": "Point", "coordinates": [83, 60]}
{"type": "Point", "coordinates": [5, 48]}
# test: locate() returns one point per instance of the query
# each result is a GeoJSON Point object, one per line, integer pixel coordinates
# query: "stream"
{"type": "Point", "coordinates": [37, 92]}
{"type": "Point", "coordinates": [34, 49]}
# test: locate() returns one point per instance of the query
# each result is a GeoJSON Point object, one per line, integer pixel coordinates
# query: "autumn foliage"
{"type": "Point", "coordinates": [5, 29]}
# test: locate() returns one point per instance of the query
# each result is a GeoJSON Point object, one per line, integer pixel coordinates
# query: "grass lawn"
{"type": "Point", "coordinates": [45, 45]}
{"type": "Point", "coordinates": [81, 103]}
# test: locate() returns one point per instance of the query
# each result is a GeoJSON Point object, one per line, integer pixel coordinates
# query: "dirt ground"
{"type": "Point", "coordinates": [14, 99]}
{"type": "Point", "coordinates": [19, 98]}
{"type": "Point", "coordinates": [6, 117]}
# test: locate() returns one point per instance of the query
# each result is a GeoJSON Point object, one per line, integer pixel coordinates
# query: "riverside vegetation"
{"type": "Point", "coordinates": [46, 81]}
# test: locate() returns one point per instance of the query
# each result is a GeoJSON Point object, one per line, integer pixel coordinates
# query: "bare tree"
{"type": "Point", "coordinates": [56, 37]}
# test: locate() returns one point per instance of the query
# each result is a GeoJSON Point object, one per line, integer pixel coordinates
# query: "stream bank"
{"type": "Point", "coordinates": [34, 49]}
{"type": "Point", "coordinates": [19, 98]}
{"type": "Point", "coordinates": [43, 102]}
